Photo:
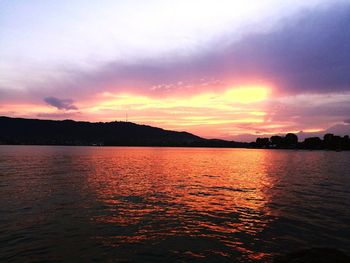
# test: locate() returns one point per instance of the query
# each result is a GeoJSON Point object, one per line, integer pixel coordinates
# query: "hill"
{"type": "Point", "coordinates": [69, 132]}
{"type": "Point", "coordinates": [19, 131]}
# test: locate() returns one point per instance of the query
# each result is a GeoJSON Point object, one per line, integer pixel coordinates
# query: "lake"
{"type": "Point", "coordinates": [130, 204]}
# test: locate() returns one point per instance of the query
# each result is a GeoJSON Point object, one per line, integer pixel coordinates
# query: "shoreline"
{"type": "Point", "coordinates": [175, 146]}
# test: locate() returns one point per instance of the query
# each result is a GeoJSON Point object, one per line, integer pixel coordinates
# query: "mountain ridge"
{"type": "Point", "coordinates": [22, 131]}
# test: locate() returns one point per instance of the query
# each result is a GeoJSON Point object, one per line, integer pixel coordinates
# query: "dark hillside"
{"type": "Point", "coordinates": [68, 132]}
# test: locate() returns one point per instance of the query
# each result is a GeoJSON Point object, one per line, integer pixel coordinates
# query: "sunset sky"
{"type": "Point", "coordinates": [216, 68]}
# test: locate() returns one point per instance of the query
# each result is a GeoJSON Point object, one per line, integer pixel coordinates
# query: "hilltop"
{"type": "Point", "coordinates": [68, 132]}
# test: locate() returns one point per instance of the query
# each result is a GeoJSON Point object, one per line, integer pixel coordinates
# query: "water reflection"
{"type": "Point", "coordinates": [213, 196]}
{"type": "Point", "coordinates": [176, 204]}
{"type": "Point", "coordinates": [308, 200]}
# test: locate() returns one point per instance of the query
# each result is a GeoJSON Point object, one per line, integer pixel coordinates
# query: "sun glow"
{"type": "Point", "coordinates": [225, 100]}
{"type": "Point", "coordinates": [233, 106]}
{"type": "Point", "coordinates": [247, 94]}
{"type": "Point", "coordinates": [236, 109]}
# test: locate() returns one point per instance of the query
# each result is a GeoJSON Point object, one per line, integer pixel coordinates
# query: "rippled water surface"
{"type": "Point", "coordinates": [170, 204]}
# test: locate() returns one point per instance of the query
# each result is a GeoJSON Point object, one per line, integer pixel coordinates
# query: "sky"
{"type": "Point", "coordinates": [216, 68]}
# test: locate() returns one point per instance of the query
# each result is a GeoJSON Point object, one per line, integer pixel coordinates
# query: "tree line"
{"type": "Point", "coordinates": [291, 141]}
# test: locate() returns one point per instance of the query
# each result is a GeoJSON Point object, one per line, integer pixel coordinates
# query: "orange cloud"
{"type": "Point", "coordinates": [197, 113]}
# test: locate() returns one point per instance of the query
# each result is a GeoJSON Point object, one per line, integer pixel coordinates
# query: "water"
{"type": "Point", "coordinates": [169, 204]}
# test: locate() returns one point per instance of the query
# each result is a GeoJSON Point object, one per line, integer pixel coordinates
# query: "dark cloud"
{"type": "Point", "coordinates": [339, 129]}
{"type": "Point", "coordinates": [306, 53]}
{"type": "Point", "coordinates": [61, 104]}
{"type": "Point", "coordinates": [347, 121]}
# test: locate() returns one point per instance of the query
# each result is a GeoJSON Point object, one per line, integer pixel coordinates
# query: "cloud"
{"type": "Point", "coordinates": [61, 104]}
{"type": "Point", "coordinates": [347, 121]}
{"type": "Point", "coordinates": [339, 129]}
{"type": "Point", "coordinates": [308, 52]}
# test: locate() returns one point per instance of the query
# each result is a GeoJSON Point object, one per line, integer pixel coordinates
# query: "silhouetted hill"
{"type": "Point", "coordinates": [48, 132]}
{"type": "Point", "coordinates": [68, 132]}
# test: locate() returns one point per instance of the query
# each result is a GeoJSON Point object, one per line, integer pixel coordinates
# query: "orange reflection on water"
{"type": "Point", "coordinates": [176, 204]}
{"type": "Point", "coordinates": [157, 193]}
